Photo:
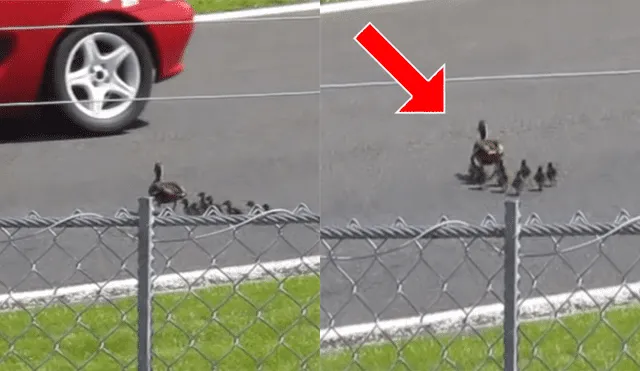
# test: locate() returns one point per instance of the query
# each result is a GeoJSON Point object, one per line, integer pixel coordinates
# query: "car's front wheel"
{"type": "Point", "coordinates": [103, 75]}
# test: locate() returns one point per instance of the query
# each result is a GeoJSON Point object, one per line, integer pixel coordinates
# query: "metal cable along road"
{"type": "Point", "coordinates": [624, 225]}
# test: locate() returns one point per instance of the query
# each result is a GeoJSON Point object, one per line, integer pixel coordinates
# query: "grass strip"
{"type": "Point", "coordinates": [591, 341]}
{"type": "Point", "coordinates": [214, 6]}
{"type": "Point", "coordinates": [273, 324]}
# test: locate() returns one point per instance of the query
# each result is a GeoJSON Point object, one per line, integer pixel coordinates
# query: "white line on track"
{"type": "Point", "coordinates": [330, 339]}
{"type": "Point", "coordinates": [331, 8]}
{"type": "Point", "coordinates": [255, 13]}
{"type": "Point", "coordinates": [540, 308]}
{"type": "Point", "coordinates": [348, 6]}
{"type": "Point", "coordinates": [162, 284]}
{"type": "Point", "coordinates": [251, 15]}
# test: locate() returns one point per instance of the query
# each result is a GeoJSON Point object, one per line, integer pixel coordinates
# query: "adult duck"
{"type": "Point", "coordinates": [164, 192]}
{"type": "Point", "coordinates": [486, 151]}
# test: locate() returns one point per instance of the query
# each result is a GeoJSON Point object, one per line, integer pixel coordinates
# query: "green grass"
{"type": "Point", "coordinates": [599, 339]}
{"type": "Point", "coordinates": [213, 6]}
{"type": "Point", "coordinates": [274, 326]}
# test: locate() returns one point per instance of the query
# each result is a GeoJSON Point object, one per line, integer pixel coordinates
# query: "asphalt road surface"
{"type": "Point", "coordinates": [265, 149]}
{"type": "Point", "coordinates": [377, 165]}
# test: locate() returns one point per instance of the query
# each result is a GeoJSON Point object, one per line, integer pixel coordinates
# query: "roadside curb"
{"type": "Point", "coordinates": [167, 283]}
{"type": "Point", "coordinates": [331, 8]}
{"type": "Point", "coordinates": [535, 309]}
{"type": "Point", "coordinates": [335, 339]}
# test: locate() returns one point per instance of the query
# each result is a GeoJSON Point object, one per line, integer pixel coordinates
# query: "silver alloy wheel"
{"type": "Point", "coordinates": [100, 75]}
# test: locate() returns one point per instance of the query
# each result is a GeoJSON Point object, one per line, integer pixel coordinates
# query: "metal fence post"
{"type": "Point", "coordinates": [511, 281]}
{"type": "Point", "coordinates": [145, 277]}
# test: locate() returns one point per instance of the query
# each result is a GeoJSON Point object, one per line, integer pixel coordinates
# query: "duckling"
{"type": "Point", "coordinates": [210, 202]}
{"type": "Point", "coordinates": [552, 174]}
{"type": "Point", "coordinates": [517, 183]}
{"type": "Point", "coordinates": [539, 178]}
{"type": "Point", "coordinates": [478, 176]}
{"type": "Point", "coordinates": [165, 192]}
{"type": "Point", "coordinates": [525, 170]}
{"type": "Point", "coordinates": [202, 202]}
{"type": "Point", "coordinates": [189, 209]}
{"type": "Point", "coordinates": [185, 206]}
{"type": "Point", "coordinates": [195, 208]}
{"type": "Point", "coordinates": [230, 209]}
{"type": "Point", "coordinates": [251, 204]}
{"type": "Point", "coordinates": [503, 177]}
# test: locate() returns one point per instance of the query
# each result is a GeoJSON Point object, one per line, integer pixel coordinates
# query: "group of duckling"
{"type": "Point", "coordinates": [204, 202]}
{"type": "Point", "coordinates": [491, 152]}
{"type": "Point", "coordinates": [542, 177]}
{"type": "Point", "coordinates": [168, 192]}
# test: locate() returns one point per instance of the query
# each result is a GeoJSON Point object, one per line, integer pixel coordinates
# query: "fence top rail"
{"type": "Point", "coordinates": [164, 218]}
{"type": "Point", "coordinates": [382, 232]}
{"type": "Point", "coordinates": [489, 227]}
{"type": "Point", "coordinates": [446, 228]}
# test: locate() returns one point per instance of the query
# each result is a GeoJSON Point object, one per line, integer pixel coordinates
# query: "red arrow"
{"type": "Point", "coordinates": [427, 95]}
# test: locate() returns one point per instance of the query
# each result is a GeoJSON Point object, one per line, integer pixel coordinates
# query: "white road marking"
{"type": "Point", "coordinates": [539, 308]}
{"type": "Point", "coordinates": [162, 284]}
{"type": "Point", "coordinates": [254, 13]}
{"type": "Point", "coordinates": [331, 339]}
{"type": "Point", "coordinates": [347, 6]}
{"type": "Point", "coordinates": [299, 8]}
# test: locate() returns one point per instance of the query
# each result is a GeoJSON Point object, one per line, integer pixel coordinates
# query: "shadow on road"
{"type": "Point", "coordinates": [36, 129]}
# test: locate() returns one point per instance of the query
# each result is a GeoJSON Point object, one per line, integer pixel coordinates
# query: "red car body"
{"type": "Point", "coordinates": [27, 38]}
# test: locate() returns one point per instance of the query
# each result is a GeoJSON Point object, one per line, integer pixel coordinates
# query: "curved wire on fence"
{"type": "Point", "coordinates": [473, 231]}
{"type": "Point", "coordinates": [303, 215]}
{"type": "Point", "coordinates": [579, 226]}
{"type": "Point", "coordinates": [165, 218]}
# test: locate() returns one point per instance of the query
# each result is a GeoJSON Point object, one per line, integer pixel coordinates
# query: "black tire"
{"type": "Point", "coordinates": [57, 80]}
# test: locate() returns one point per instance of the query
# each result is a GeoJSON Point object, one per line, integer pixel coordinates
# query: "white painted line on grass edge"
{"type": "Point", "coordinates": [299, 8]}
{"type": "Point", "coordinates": [539, 308]}
{"type": "Point", "coordinates": [254, 13]}
{"type": "Point", "coordinates": [361, 4]}
{"type": "Point", "coordinates": [162, 284]}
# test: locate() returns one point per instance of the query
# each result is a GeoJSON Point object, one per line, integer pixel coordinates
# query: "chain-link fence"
{"type": "Point", "coordinates": [147, 290]}
{"type": "Point", "coordinates": [465, 296]}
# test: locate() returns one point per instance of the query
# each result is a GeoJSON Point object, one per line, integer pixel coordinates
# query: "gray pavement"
{"type": "Point", "coordinates": [264, 149]}
{"type": "Point", "coordinates": [377, 165]}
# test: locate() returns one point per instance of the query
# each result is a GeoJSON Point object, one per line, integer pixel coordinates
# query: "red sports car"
{"type": "Point", "coordinates": [84, 52]}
